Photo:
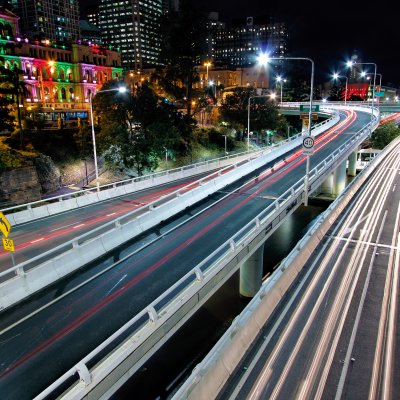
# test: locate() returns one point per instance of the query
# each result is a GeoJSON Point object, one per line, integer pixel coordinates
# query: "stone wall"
{"type": "Point", "coordinates": [19, 186]}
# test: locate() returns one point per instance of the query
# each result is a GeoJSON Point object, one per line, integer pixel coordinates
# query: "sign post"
{"type": "Point", "coordinates": [8, 244]}
{"type": "Point", "coordinates": [308, 150]}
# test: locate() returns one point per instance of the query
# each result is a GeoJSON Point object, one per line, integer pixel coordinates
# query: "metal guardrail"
{"type": "Point", "coordinates": [155, 314]}
{"type": "Point", "coordinates": [124, 182]}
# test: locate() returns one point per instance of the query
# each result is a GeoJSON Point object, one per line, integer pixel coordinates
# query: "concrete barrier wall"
{"type": "Point", "coordinates": [212, 373]}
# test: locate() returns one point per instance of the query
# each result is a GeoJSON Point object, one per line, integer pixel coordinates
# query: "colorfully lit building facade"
{"type": "Point", "coordinates": [133, 26]}
{"type": "Point", "coordinates": [59, 78]}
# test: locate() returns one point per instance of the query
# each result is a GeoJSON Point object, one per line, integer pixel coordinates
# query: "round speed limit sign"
{"type": "Point", "coordinates": [308, 145]}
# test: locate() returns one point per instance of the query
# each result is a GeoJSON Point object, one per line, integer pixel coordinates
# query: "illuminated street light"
{"type": "Point", "coordinates": [207, 64]}
{"type": "Point", "coordinates": [281, 81]}
{"type": "Point", "coordinates": [121, 89]}
{"type": "Point", "coordinates": [337, 76]}
{"type": "Point", "coordinates": [263, 59]}
{"type": "Point", "coordinates": [213, 84]}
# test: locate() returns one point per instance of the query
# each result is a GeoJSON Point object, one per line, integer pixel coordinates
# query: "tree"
{"type": "Point", "coordinates": [11, 85]}
{"type": "Point", "coordinates": [263, 112]}
{"type": "Point", "coordinates": [6, 119]}
{"type": "Point", "coordinates": [384, 134]}
{"type": "Point", "coordinates": [184, 36]}
{"type": "Point", "coordinates": [136, 128]}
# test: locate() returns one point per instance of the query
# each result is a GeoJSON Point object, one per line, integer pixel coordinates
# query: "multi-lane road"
{"type": "Point", "coordinates": [37, 346]}
{"type": "Point", "coordinates": [334, 337]}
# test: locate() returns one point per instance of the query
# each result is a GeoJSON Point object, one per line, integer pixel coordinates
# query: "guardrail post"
{"type": "Point", "coordinates": [152, 313]}
{"type": "Point", "coordinates": [84, 373]}
{"type": "Point", "coordinates": [199, 274]}
{"type": "Point", "coordinates": [20, 271]}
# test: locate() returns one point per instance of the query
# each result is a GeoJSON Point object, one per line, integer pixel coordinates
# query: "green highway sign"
{"type": "Point", "coordinates": [379, 94]}
{"type": "Point", "coordinates": [303, 108]}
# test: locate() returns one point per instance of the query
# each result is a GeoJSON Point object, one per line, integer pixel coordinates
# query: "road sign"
{"type": "Point", "coordinates": [379, 94]}
{"type": "Point", "coordinates": [303, 108]}
{"type": "Point", "coordinates": [314, 116]}
{"type": "Point", "coordinates": [8, 244]}
{"type": "Point", "coordinates": [308, 145]}
{"type": "Point", "coordinates": [5, 226]}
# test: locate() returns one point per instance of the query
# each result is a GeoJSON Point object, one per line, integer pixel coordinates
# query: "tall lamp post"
{"type": "Point", "coordinates": [121, 89]}
{"type": "Point", "coordinates": [207, 64]}
{"type": "Point", "coordinates": [263, 60]}
{"type": "Point", "coordinates": [337, 76]}
{"type": "Point", "coordinates": [280, 80]}
{"type": "Point", "coordinates": [350, 64]}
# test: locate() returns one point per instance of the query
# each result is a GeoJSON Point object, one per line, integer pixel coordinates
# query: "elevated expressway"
{"type": "Point", "coordinates": [334, 334]}
{"type": "Point", "coordinates": [111, 321]}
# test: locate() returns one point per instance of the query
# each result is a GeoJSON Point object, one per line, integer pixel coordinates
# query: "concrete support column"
{"type": "Point", "coordinates": [251, 273]}
{"type": "Point", "coordinates": [352, 170]}
{"type": "Point", "coordinates": [327, 185]}
{"type": "Point", "coordinates": [339, 179]}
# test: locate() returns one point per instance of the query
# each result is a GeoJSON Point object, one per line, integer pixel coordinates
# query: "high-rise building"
{"type": "Point", "coordinates": [133, 27]}
{"type": "Point", "coordinates": [239, 46]}
{"type": "Point", "coordinates": [48, 19]}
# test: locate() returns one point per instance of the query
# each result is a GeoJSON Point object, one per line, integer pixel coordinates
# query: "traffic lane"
{"type": "Point", "coordinates": [360, 370]}
{"type": "Point", "coordinates": [290, 360]}
{"type": "Point", "coordinates": [38, 236]}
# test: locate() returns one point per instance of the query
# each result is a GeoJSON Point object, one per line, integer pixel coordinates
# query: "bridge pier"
{"type": "Point", "coordinates": [251, 273]}
{"type": "Point", "coordinates": [339, 179]}
{"type": "Point", "coordinates": [352, 168]}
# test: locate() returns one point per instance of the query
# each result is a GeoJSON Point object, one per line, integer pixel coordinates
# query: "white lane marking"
{"type": "Point", "coordinates": [37, 240]}
{"type": "Point", "coordinates": [109, 215]}
{"type": "Point", "coordinates": [78, 226]}
{"type": "Point", "coordinates": [116, 285]}
{"type": "Point", "coordinates": [62, 227]}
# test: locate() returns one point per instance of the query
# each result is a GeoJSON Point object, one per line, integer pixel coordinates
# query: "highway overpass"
{"type": "Point", "coordinates": [199, 250]}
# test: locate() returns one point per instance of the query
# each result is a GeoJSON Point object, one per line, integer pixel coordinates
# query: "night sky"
{"type": "Point", "coordinates": [328, 32]}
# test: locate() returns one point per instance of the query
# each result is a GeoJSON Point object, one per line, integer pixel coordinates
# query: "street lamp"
{"type": "Point", "coordinates": [337, 76]}
{"type": "Point", "coordinates": [280, 80]}
{"type": "Point", "coordinates": [225, 144]}
{"type": "Point", "coordinates": [213, 84]}
{"type": "Point", "coordinates": [263, 59]}
{"type": "Point", "coordinates": [350, 64]}
{"type": "Point", "coordinates": [121, 89]}
{"type": "Point", "coordinates": [207, 64]}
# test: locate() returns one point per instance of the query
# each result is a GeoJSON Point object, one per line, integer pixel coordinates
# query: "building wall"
{"type": "Point", "coordinates": [133, 26]}
{"type": "Point", "coordinates": [240, 46]}
{"type": "Point", "coordinates": [49, 19]}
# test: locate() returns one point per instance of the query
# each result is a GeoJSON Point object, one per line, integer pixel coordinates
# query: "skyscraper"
{"type": "Point", "coordinates": [133, 26]}
{"type": "Point", "coordinates": [49, 19]}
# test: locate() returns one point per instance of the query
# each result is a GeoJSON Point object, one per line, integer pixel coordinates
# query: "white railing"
{"type": "Point", "coordinates": [144, 324]}
{"type": "Point", "coordinates": [113, 185]}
